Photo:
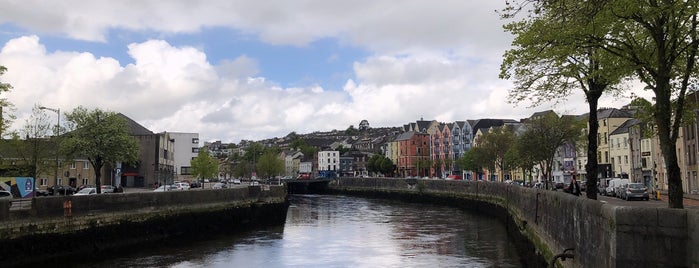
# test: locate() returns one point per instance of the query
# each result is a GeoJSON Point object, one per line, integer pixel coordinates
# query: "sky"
{"type": "Point", "coordinates": [252, 70]}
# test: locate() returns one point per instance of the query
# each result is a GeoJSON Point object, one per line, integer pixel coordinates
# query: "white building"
{"type": "Point", "coordinates": [328, 160]}
{"type": "Point", "coordinates": [186, 148]}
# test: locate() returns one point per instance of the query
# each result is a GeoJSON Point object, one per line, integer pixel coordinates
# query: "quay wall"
{"type": "Point", "coordinates": [599, 234]}
{"type": "Point", "coordinates": [108, 222]}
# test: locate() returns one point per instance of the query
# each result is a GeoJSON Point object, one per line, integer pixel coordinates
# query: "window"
{"type": "Point", "coordinates": [86, 165]}
{"type": "Point", "coordinates": [185, 170]}
{"type": "Point", "coordinates": [43, 182]}
{"type": "Point", "coordinates": [59, 181]}
{"type": "Point", "coordinates": [195, 140]}
{"type": "Point", "coordinates": [72, 165]}
{"type": "Point", "coordinates": [619, 159]}
{"type": "Point", "coordinates": [626, 159]}
{"type": "Point", "coordinates": [195, 150]}
{"type": "Point", "coordinates": [85, 181]}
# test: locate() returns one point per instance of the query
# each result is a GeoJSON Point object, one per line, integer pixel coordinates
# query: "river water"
{"type": "Point", "coordinates": [343, 231]}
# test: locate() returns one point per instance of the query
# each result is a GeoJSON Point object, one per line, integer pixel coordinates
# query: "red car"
{"type": "Point", "coordinates": [454, 177]}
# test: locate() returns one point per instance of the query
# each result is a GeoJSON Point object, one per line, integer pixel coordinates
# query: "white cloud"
{"type": "Point", "coordinates": [433, 60]}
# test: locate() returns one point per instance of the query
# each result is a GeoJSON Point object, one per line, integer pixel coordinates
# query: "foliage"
{"type": "Point", "coordinates": [386, 166]}
{"type": "Point", "coordinates": [36, 148]}
{"type": "Point", "coordinates": [352, 131]}
{"type": "Point", "coordinates": [544, 136]}
{"type": "Point", "coordinates": [269, 165]}
{"type": "Point", "coordinates": [100, 136]}
{"type": "Point", "coordinates": [494, 145]}
{"type": "Point", "coordinates": [559, 48]}
{"type": "Point", "coordinates": [469, 161]}
{"type": "Point", "coordinates": [6, 117]}
{"type": "Point", "coordinates": [204, 165]}
{"type": "Point", "coordinates": [659, 40]}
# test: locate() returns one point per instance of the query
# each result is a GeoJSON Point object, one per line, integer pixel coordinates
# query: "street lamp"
{"type": "Point", "coordinates": [58, 133]}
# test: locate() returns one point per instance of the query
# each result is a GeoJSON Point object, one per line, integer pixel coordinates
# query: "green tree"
{"type": "Point", "coordinates": [469, 162]}
{"type": "Point", "coordinates": [36, 147]}
{"type": "Point", "coordinates": [351, 131]}
{"type": "Point", "coordinates": [386, 166]}
{"type": "Point", "coordinates": [659, 39]}
{"type": "Point", "coordinates": [374, 163]}
{"type": "Point", "coordinates": [558, 49]}
{"type": "Point", "coordinates": [518, 158]}
{"type": "Point", "coordinates": [496, 142]}
{"type": "Point", "coordinates": [270, 165]}
{"type": "Point", "coordinates": [204, 165]}
{"type": "Point", "coordinates": [100, 136]}
{"type": "Point", "coordinates": [545, 136]}
{"type": "Point", "coordinates": [437, 164]}
{"type": "Point", "coordinates": [5, 106]}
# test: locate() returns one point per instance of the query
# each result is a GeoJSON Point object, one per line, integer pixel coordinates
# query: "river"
{"type": "Point", "coordinates": [344, 231]}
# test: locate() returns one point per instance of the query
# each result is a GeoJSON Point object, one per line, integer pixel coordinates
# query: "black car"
{"type": "Point", "coordinates": [61, 190]}
{"type": "Point", "coordinates": [39, 192]}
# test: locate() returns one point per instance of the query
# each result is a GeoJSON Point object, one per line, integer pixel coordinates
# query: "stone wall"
{"type": "Point", "coordinates": [109, 222]}
{"type": "Point", "coordinates": [601, 235]}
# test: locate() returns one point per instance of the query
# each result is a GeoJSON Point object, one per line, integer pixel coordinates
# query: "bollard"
{"type": "Point", "coordinates": [67, 208]}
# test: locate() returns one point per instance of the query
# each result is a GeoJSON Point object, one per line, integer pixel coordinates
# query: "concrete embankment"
{"type": "Point", "coordinates": [111, 222]}
{"type": "Point", "coordinates": [546, 223]}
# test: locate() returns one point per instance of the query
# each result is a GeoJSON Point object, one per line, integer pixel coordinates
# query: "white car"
{"type": "Point", "coordinates": [236, 181]}
{"type": "Point", "coordinates": [164, 188]}
{"type": "Point", "coordinates": [182, 186]}
{"type": "Point", "coordinates": [87, 191]}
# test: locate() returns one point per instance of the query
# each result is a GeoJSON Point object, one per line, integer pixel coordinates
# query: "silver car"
{"type": "Point", "coordinates": [635, 191]}
{"type": "Point", "coordinates": [5, 195]}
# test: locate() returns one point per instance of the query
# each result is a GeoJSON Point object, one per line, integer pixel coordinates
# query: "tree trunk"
{"type": "Point", "coordinates": [663, 120]}
{"type": "Point", "coordinates": [97, 165]}
{"type": "Point", "coordinates": [592, 95]}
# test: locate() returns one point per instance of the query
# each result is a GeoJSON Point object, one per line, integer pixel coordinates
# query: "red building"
{"type": "Point", "coordinates": [413, 154]}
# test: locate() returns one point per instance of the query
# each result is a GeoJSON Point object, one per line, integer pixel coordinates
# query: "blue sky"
{"type": "Point", "coordinates": [234, 70]}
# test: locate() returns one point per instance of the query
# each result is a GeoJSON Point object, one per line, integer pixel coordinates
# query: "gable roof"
{"type": "Point", "coordinates": [624, 128]}
{"type": "Point", "coordinates": [136, 129]}
{"type": "Point", "coordinates": [613, 113]}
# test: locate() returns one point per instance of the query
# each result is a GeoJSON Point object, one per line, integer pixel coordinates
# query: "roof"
{"type": "Point", "coordinates": [136, 128]}
{"type": "Point", "coordinates": [624, 128]}
{"type": "Point", "coordinates": [613, 113]}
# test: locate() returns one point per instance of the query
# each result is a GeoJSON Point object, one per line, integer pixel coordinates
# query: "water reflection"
{"type": "Point", "coordinates": [340, 231]}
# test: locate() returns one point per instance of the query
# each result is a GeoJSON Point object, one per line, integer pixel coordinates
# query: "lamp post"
{"type": "Point", "coordinates": [58, 133]}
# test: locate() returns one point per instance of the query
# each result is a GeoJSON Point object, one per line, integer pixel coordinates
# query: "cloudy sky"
{"type": "Point", "coordinates": [233, 70]}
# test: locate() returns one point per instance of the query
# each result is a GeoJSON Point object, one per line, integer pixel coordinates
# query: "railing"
{"type": "Point", "coordinates": [23, 204]}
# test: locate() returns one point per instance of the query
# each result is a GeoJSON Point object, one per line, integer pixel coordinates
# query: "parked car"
{"type": "Point", "coordinates": [39, 192]}
{"type": "Point", "coordinates": [61, 190]}
{"type": "Point", "coordinates": [87, 191]}
{"type": "Point", "coordinates": [164, 188]}
{"type": "Point", "coordinates": [182, 186]}
{"type": "Point", "coordinates": [613, 184]}
{"type": "Point", "coordinates": [636, 191]}
{"type": "Point", "coordinates": [236, 181]}
{"type": "Point", "coordinates": [5, 195]}
{"type": "Point", "coordinates": [106, 189]}
{"type": "Point", "coordinates": [620, 191]}
{"type": "Point", "coordinates": [559, 185]}
{"type": "Point", "coordinates": [454, 177]}
{"type": "Point", "coordinates": [219, 185]}
{"type": "Point", "coordinates": [195, 184]}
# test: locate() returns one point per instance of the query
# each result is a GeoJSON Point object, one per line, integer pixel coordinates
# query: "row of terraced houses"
{"type": "Point", "coordinates": [622, 152]}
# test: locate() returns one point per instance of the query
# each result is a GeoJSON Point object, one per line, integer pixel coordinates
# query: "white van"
{"type": "Point", "coordinates": [613, 185]}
